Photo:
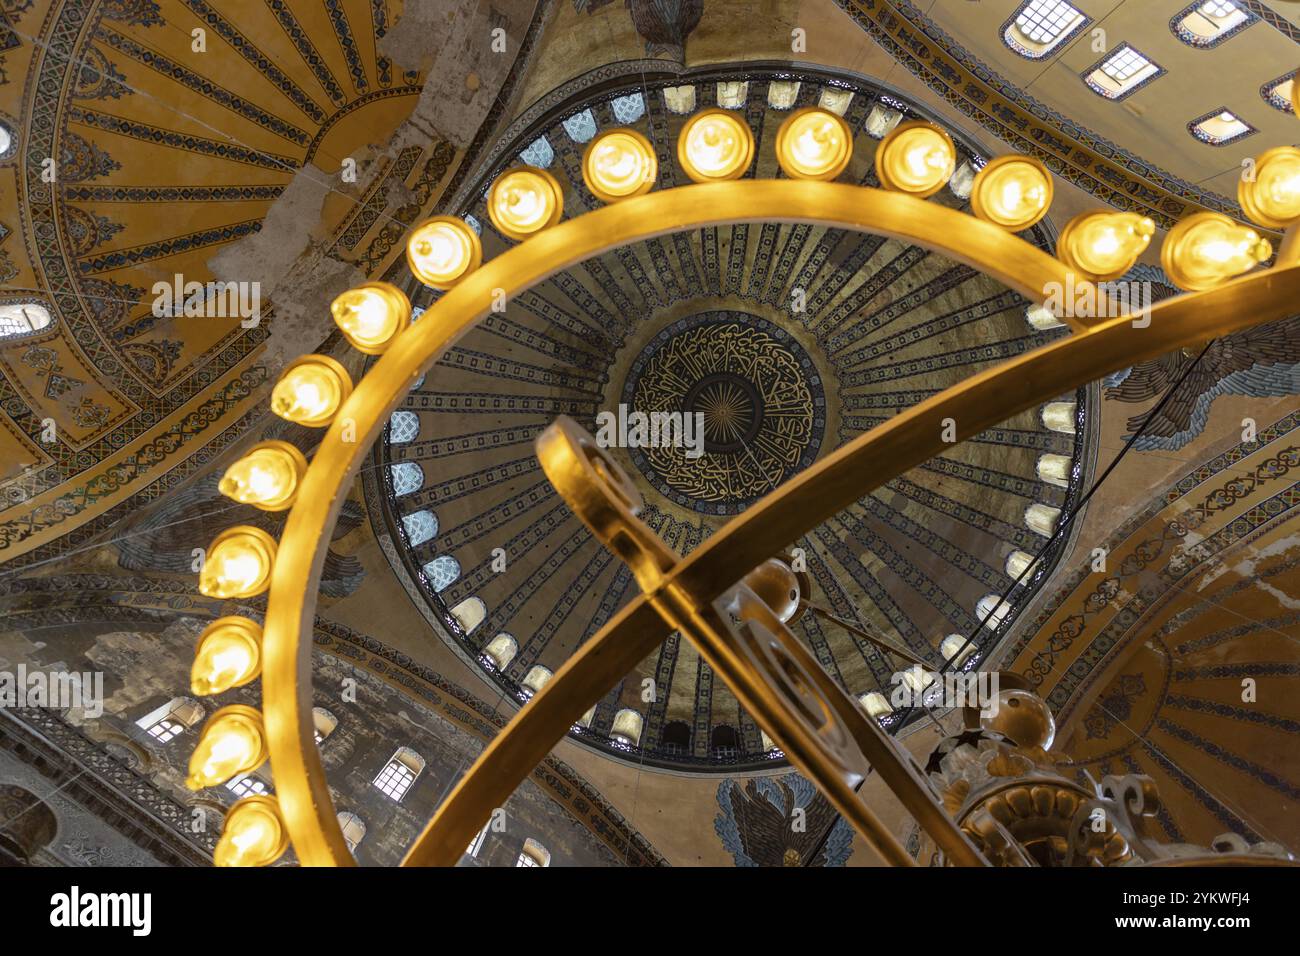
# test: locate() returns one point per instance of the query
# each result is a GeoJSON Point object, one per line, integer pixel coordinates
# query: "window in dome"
{"type": "Point", "coordinates": [22, 318]}
{"type": "Point", "coordinates": [501, 650]}
{"type": "Point", "coordinates": [1277, 93]}
{"type": "Point", "coordinates": [679, 99]}
{"type": "Point", "coordinates": [1122, 73]}
{"type": "Point", "coordinates": [536, 678]}
{"type": "Point", "coordinates": [1041, 26]}
{"type": "Point", "coordinates": [626, 729]}
{"type": "Point", "coordinates": [837, 100]}
{"type": "Point", "coordinates": [581, 127]}
{"type": "Point", "coordinates": [732, 96]}
{"type": "Point", "coordinates": [628, 109]}
{"type": "Point", "coordinates": [538, 153]}
{"type": "Point", "coordinates": [6, 141]}
{"type": "Point", "coordinates": [1220, 128]}
{"type": "Point", "coordinates": [469, 613]}
{"type": "Point", "coordinates": [407, 477]}
{"type": "Point", "coordinates": [782, 94]}
{"type": "Point", "coordinates": [1208, 23]}
{"type": "Point", "coordinates": [442, 571]}
{"type": "Point", "coordinates": [420, 526]}
{"type": "Point", "coordinates": [404, 426]}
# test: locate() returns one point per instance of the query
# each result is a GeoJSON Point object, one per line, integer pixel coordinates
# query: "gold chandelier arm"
{"type": "Point", "coordinates": [539, 725]}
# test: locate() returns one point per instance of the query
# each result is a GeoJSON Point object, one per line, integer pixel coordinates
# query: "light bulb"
{"type": "Point", "coordinates": [238, 564]}
{"type": "Point", "coordinates": [1012, 191]}
{"type": "Point", "coordinates": [715, 145]}
{"type": "Point", "coordinates": [619, 164]}
{"type": "Point", "coordinates": [1104, 245]}
{"type": "Point", "coordinates": [232, 743]}
{"type": "Point", "coordinates": [814, 144]}
{"type": "Point", "coordinates": [1272, 197]}
{"type": "Point", "coordinates": [254, 833]}
{"type": "Point", "coordinates": [1207, 249]}
{"type": "Point", "coordinates": [310, 390]}
{"type": "Point", "coordinates": [916, 158]}
{"type": "Point", "coordinates": [371, 316]}
{"type": "Point", "coordinates": [266, 477]}
{"type": "Point", "coordinates": [524, 201]}
{"type": "Point", "coordinates": [443, 250]}
{"type": "Point", "coordinates": [229, 655]}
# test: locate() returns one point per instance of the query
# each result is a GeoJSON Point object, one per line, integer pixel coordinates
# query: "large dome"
{"type": "Point", "coordinates": [788, 340]}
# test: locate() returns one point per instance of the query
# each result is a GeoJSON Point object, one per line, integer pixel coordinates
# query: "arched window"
{"type": "Point", "coordinates": [1060, 417]}
{"type": "Point", "coordinates": [1055, 470]}
{"type": "Point", "coordinates": [469, 614]}
{"type": "Point", "coordinates": [171, 719]}
{"type": "Point", "coordinates": [781, 94]}
{"type": "Point", "coordinates": [837, 100]}
{"type": "Point", "coordinates": [536, 678]}
{"type": "Point", "coordinates": [626, 728]}
{"type": "Point", "coordinates": [580, 126]}
{"type": "Point", "coordinates": [6, 140]}
{"type": "Point", "coordinates": [407, 477]}
{"type": "Point", "coordinates": [22, 318]}
{"type": "Point", "coordinates": [1017, 562]}
{"type": "Point", "coordinates": [538, 153]}
{"type": "Point", "coordinates": [324, 723]}
{"type": "Point", "coordinates": [991, 610]}
{"type": "Point", "coordinates": [501, 650]}
{"type": "Point", "coordinates": [476, 844]}
{"type": "Point", "coordinates": [679, 99]}
{"type": "Point", "coordinates": [404, 426]}
{"type": "Point", "coordinates": [732, 94]}
{"type": "Point", "coordinates": [420, 526]}
{"type": "Point", "coordinates": [676, 737]}
{"type": "Point", "coordinates": [724, 741]}
{"type": "Point", "coordinates": [1042, 519]}
{"type": "Point", "coordinates": [1208, 23]}
{"type": "Point", "coordinates": [628, 109]}
{"type": "Point", "coordinates": [354, 829]}
{"type": "Point", "coordinates": [533, 854]}
{"type": "Point", "coordinates": [442, 571]}
{"type": "Point", "coordinates": [246, 785]}
{"type": "Point", "coordinates": [875, 704]}
{"type": "Point", "coordinates": [955, 649]}
{"type": "Point", "coordinates": [399, 773]}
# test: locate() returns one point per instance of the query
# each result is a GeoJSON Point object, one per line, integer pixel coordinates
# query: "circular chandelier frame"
{"type": "Point", "coordinates": [684, 589]}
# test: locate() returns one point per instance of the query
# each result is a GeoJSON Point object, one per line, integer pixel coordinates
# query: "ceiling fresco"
{"type": "Point", "coordinates": [659, 325]}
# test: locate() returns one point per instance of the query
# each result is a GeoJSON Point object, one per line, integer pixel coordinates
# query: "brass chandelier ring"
{"type": "Point", "coordinates": [1096, 348]}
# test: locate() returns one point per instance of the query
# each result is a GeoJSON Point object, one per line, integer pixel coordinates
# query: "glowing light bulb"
{"type": "Point", "coordinates": [443, 250]}
{"type": "Point", "coordinates": [524, 201]}
{"type": "Point", "coordinates": [916, 158]}
{"type": "Point", "coordinates": [232, 743]}
{"type": "Point", "coordinates": [1104, 245]}
{"type": "Point", "coordinates": [371, 316]}
{"type": "Point", "coordinates": [267, 477]}
{"type": "Point", "coordinates": [1012, 191]}
{"type": "Point", "coordinates": [1272, 197]}
{"type": "Point", "coordinates": [254, 833]}
{"type": "Point", "coordinates": [715, 145]}
{"type": "Point", "coordinates": [619, 164]}
{"type": "Point", "coordinates": [238, 564]}
{"type": "Point", "coordinates": [1207, 249]}
{"type": "Point", "coordinates": [310, 390]}
{"type": "Point", "coordinates": [229, 655]}
{"type": "Point", "coordinates": [814, 144]}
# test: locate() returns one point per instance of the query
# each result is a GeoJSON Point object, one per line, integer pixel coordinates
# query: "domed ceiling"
{"type": "Point", "coordinates": [790, 340]}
